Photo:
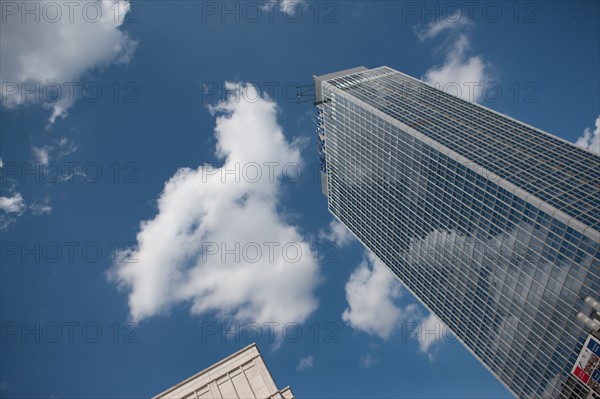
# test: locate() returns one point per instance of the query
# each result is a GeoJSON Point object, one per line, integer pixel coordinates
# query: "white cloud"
{"type": "Point", "coordinates": [205, 208]}
{"type": "Point", "coordinates": [461, 75]}
{"type": "Point", "coordinates": [338, 233]}
{"type": "Point", "coordinates": [431, 331]}
{"type": "Point", "coordinates": [14, 204]}
{"type": "Point", "coordinates": [66, 147]}
{"type": "Point", "coordinates": [434, 28]}
{"type": "Point", "coordinates": [292, 8]}
{"type": "Point", "coordinates": [305, 363]}
{"type": "Point", "coordinates": [591, 140]}
{"type": "Point", "coordinates": [6, 221]}
{"type": "Point", "coordinates": [42, 208]}
{"type": "Point", "coordinates": [62, 147]}
{"type": "Point", "coordinates": [1, 163]}
{"type": "Point", "coordinates": [41, 154]}
{"type": "Point", "coordinates": [371, 293]}
{"type": "Point", "coordinates": [367, 361]}
{"type": "Point", "coordinates": [59, 48]}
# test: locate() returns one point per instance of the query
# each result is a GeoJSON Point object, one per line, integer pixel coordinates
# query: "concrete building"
{"type": "Point", "coordinates": [491, 223]}
{"type": "Point", "coordinates": [242, 375]}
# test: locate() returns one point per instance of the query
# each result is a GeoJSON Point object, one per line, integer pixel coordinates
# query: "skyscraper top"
{"type": "Point", "coordinates": [557, 175]}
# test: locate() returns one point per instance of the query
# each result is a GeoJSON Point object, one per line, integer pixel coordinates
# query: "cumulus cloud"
{"type": "Point", "coordinates": [288, 7]}
{"type": "Point", "coordinates": [41, 208]}
{"type": "Point", "coordinates": [337, 233]}
{"type": "Point", "coordinates": [46, 55]}
{"type": "Point", "coordinates": [434, 28]}
{"type": "Point", "coordinates": [461, 74]}
{"type": "Point", "coordinates": [431, 331]}
{"type": "Point", "coordinates": [14, 204]}
{"type": "Point", "coordinates": [218, 241]}
{"type": "Point", "coordinates": [65, 147]}
{"type": "Point", "coordinates": [6, 221]}
{"type": "Point", "coordinates": [61, 147]}
{"type": "Point", "coordinates": [591, 140]}
{"type": "Point", "coordinates": [41, 154]}
{"type": "Point", "coordinates": [367, 360]}
{"type": "Point", "coordinates": [11, 207]}
{"type": "Point", "coordinates": [371, 293]}
{"type": "Point", "coordinates": [305, 363]}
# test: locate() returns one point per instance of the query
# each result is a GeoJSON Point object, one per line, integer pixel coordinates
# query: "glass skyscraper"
{"type": "Point", "coordinates": [491, 223]}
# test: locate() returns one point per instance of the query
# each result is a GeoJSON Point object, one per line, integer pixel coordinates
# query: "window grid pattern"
{"type": "Point", "coordinates": [503, 275]}
{"type": "Point", "coordinates": [565, 176]}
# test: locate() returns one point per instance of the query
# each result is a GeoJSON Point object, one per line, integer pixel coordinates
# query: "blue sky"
{"type": "Point", "coordinates": [119, 275]}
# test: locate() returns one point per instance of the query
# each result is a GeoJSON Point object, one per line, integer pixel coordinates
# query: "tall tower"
{"type": "Point", "coordinates": [491, 223]}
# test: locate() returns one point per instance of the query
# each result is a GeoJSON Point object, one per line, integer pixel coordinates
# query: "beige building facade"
{"type": "Point", "coordinates": [243, 375]}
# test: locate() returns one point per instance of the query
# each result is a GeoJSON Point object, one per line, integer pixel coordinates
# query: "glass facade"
{"type": "Point", "coordinates": [491, 223]}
